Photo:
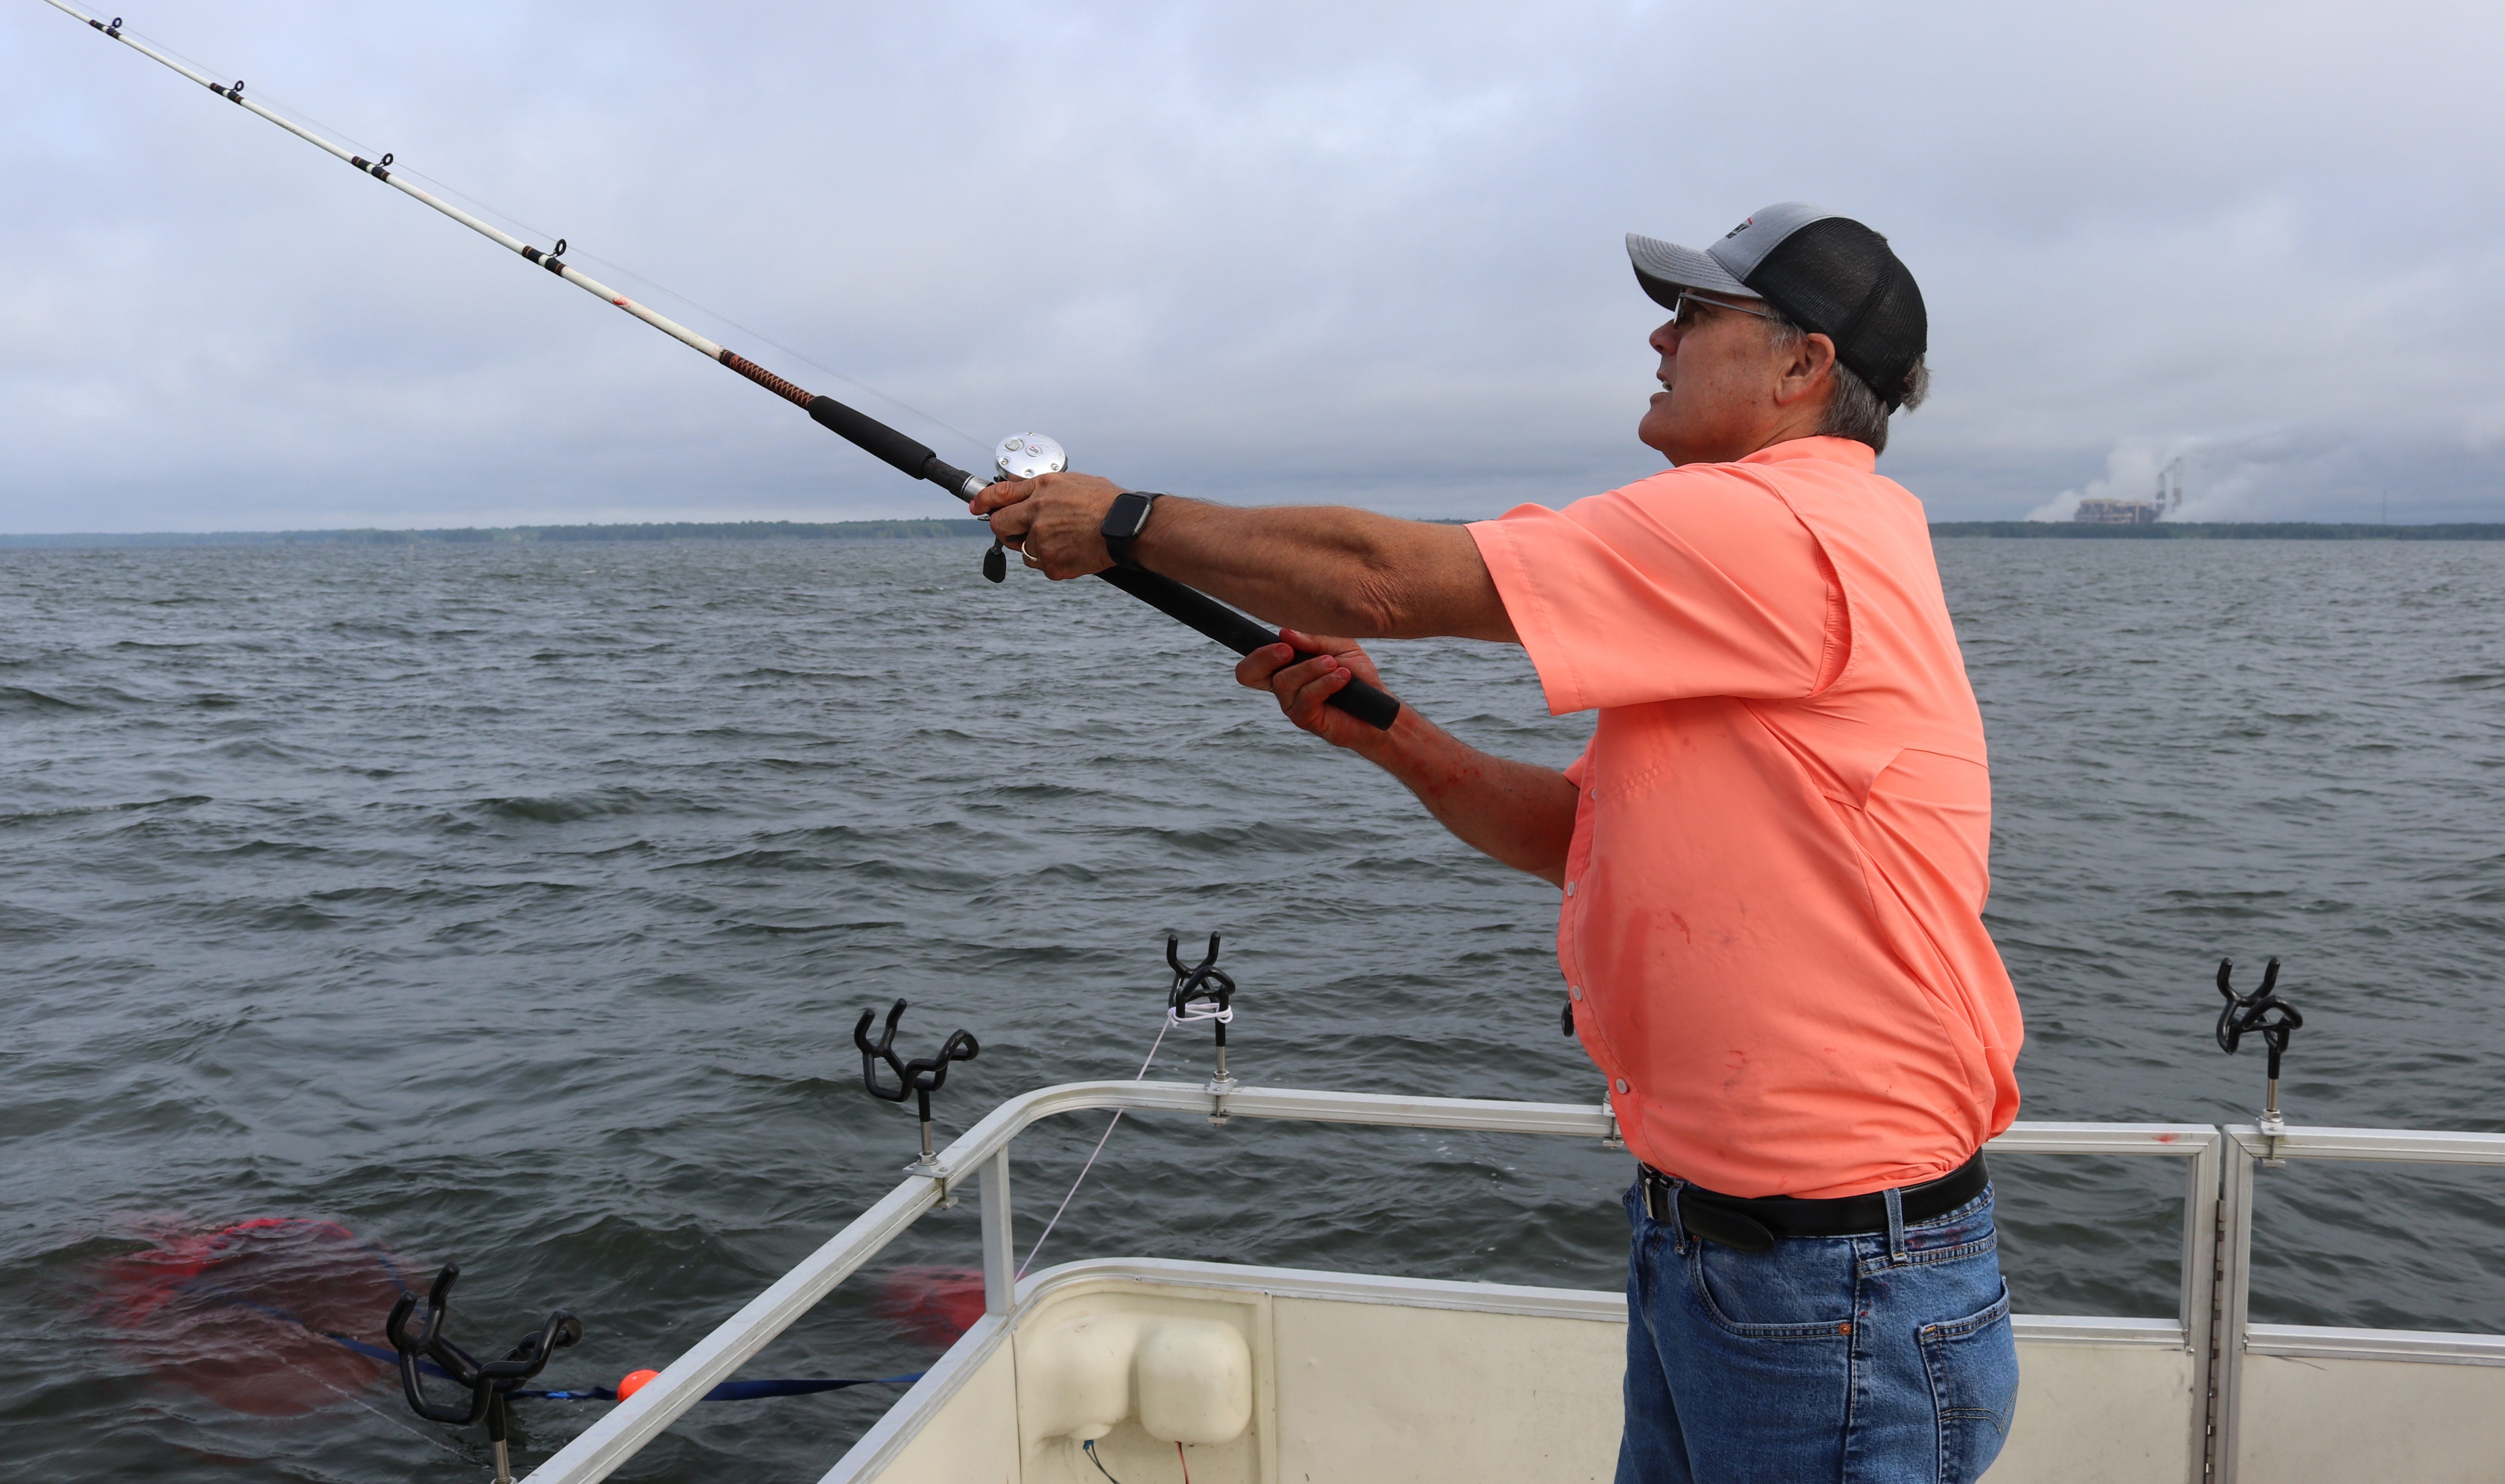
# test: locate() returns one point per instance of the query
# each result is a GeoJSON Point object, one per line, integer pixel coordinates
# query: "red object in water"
{"type": "Point", "coordinates": [632, 1382]}
{"type": "Point", "coordinates": [245, 1315]}
{"type": "Point", "coordinates": [935, 1304]}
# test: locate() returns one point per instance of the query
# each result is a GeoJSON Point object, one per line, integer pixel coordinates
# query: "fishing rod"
{"type": "Point", "coordinates": [1187, 606]}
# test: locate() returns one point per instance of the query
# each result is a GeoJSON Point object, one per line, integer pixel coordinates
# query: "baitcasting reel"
{"type": "Point", "coordinates": [1020, 456]}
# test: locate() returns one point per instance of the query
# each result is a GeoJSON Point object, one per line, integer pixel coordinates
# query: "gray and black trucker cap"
{"type": "Point", "coordinates": [1824, 272]}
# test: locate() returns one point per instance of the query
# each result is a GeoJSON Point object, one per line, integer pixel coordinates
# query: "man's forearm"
{"type": "Point", "coordinates": [1518, 813]}
{"type": "Point", "coordinates": [1329, 568]}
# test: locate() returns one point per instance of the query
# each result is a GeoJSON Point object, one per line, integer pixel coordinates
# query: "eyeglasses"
{"type": "Point", "coordinates": [1685, 318]}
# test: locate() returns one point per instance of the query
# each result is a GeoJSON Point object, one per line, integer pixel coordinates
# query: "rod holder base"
{"type": "Point", "coordinates": [940, 1174]}
{"type": "Point", "coordinates": [2272, 1125]}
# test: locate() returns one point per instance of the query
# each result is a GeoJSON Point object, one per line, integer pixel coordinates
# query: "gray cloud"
{"type": "Point", "coordinates": [1293, 252]}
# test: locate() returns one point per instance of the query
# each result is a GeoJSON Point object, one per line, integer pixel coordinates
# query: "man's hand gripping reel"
{"type": "Point", "coordinates": [2262, 1010]}
{"type": "Point", "coordinates": [1021, 457]}
{"type": "Point", "coordinates": [917, 1080]}
{"type": "Point", "coordinates": [489, 1382]}
{"type": "Point", "coordinates": [1203, 992]}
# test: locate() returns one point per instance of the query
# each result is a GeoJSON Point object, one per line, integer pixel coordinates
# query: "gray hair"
{"type": "Point", "coordinates": [1853, 410]}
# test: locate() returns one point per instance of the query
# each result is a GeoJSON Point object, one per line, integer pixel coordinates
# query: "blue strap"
{"type": "Point", "coordinates": [743, 1391]}
{"type": "Point", "coordinates": [728, 1391]}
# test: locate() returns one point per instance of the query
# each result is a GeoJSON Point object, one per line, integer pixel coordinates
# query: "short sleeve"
{"type": "Point", "coordinates": [1698, 581]}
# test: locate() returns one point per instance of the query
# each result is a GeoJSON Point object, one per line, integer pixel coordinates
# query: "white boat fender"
{"type": "Point", "coordinates": [1186, 1380]}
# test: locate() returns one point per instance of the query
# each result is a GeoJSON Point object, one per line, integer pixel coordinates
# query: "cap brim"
{"type": "Point", "coordinates": [1665, 267]}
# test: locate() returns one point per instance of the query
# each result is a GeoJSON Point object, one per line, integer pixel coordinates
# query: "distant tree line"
{"type": "Point", "coordinates": [924, 530]}
{"type": "Point", "coordinates": [2220, 530]}
{"type": "Point", "coordinates": [669, 530]}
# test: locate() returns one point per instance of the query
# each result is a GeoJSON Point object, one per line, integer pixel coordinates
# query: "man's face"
{"type": "Point", "coordinates": [1719, 380]}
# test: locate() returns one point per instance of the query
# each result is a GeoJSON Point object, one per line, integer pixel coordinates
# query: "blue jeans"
{"type": "Point", "coordinates": [1863, 1360]}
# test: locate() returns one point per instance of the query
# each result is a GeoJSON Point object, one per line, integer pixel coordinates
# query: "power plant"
{"type": "Point", "coordinates": [2109, 512]}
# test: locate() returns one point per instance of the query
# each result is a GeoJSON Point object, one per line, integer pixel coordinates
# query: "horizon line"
{"type": "Point", "coordinates": [937, 527]}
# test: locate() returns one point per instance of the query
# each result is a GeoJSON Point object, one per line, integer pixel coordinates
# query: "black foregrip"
{"type": "Point", "coordinates": [1167, 596]}
{"type": "Point", "coordinates": [1197, 610]}
{"type": "Point", "coordinates": [871, 435]}
{"type": "Point", "coordinates": [947, 477]}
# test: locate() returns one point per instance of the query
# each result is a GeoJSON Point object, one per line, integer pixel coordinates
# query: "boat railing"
{"type": "Point", "coordinates": [2219, 1166]}
{"type": "Point", "coordinates": [2251, 1151]}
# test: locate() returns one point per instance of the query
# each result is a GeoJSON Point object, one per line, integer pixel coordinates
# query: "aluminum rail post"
{"type": "Point", "coordinates": [2202, 1224]}
{"type": "Point", "coordinates": [2245, 1151]}
{"type": "Point", "coordinates": [1000, 1252]}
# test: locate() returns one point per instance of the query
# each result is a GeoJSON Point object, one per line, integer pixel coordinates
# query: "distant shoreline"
{"type": "Point", "coordinates": [2221, 530]}
{"type": "Point", "coordinates": [515, 535]}
{"type": "Point", "coordinates": [928, 530]}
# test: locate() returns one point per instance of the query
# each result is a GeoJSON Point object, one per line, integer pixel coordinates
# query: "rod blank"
{"type": "Point", "coordinates": [1193, 609]}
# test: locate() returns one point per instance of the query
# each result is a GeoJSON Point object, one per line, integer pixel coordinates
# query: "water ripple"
{"type": "Point", "coordinates": [512, 906]}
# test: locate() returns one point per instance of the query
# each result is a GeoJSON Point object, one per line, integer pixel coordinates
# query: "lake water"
{"type": "Point", "coordinates": [513, 905]}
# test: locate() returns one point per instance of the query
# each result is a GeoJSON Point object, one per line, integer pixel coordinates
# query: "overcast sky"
{"type": "Point", "coordinates": [1345, 251]}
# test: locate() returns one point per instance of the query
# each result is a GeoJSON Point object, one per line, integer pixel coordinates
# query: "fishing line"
{"type": "Point", "coordinates": [656, 286]}
{"type": "Point", "coordinates": [1163, 1026]}
{"type": "Point", "coordinates": [1203, 993]}
{"type": "Point", "coordinates": [398, 1421]}
{"type": "Point", "coordinates": [1193, 609]}
{"type": "Point", "coordinates": [665, 291]}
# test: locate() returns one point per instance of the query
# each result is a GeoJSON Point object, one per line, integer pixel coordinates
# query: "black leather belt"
{"type": "Point", "coordinates": [1753, 1226]}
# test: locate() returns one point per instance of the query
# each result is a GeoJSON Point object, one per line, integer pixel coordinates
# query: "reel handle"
{"type": "Point", "coordinates": [1026, 455]}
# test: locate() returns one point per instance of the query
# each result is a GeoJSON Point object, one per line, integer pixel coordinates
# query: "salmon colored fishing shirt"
{"type": "Point", "coordinates": [1771, 927]}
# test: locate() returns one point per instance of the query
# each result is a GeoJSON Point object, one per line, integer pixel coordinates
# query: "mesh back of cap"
{"type": "Point", "coordinates": [1839, 279]}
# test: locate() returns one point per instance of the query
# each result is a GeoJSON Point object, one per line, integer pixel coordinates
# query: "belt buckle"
{"type": "Point", "coordinates": [1730, 1228]}
{"type": "Point", "coordinates": [1657, 1196]}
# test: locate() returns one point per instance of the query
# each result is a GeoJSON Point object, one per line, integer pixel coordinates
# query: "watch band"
{"type": "Point", "coordinates": [1124, 522]}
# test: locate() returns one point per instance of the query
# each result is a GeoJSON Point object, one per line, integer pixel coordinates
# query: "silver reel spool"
{"type": "Point", "coordinates": [1025, 455]}
{"type": "Point", "coordinates": [1020, 456]}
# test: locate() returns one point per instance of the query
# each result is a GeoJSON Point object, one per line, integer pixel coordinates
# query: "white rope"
{"type": "Point", "coordinates": [1099, 1150]}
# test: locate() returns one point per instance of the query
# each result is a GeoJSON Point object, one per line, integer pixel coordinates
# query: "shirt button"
{"type": "Point", "coordinates": [1622, 1084]}
{"type": "Point", "coordinates": [1569, 888]}
{"type": "Point", "coordinates": [1575, 991]}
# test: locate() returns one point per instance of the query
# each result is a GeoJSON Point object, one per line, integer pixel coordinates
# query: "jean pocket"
{"type": "Point", "coordinates": [1973, 1366]}
{"type": "Point", "coordinates": [1802, 1290]}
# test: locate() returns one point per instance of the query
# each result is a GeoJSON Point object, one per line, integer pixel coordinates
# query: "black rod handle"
{"type": "Point", "coordinates": [1197, 610]}
{"type": "Point", "coordinates": [1186, 606]}
{"type": "Point", "coordinates": [870, 436]}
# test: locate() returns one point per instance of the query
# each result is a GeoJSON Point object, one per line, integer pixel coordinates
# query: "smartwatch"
{"type": "Point", "coordinates": [1124, 522]}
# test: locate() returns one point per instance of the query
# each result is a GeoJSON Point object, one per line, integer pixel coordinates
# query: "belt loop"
{"type": "Point", "coordinates": [1654, 1184]}
{"type": "Point", "coordinates": [1895, 1224]}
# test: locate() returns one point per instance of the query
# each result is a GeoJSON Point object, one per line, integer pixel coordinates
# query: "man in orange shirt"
{"type": "Point", "coordinates": [1773, 852]}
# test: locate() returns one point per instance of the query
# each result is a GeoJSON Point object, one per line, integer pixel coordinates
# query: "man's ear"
{"type": "Point", "coordinates": [1812, 362]}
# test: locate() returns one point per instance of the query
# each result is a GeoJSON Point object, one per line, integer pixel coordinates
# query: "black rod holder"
{"type": "Point", "coordinates": [1203, 992]}
{"type": "Point", "coordinates": [917, 1078]}
{"type": "Point", "coordinates": [489, 1383]}
{"type": "Point", "coordinates": [2264, 1012]}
